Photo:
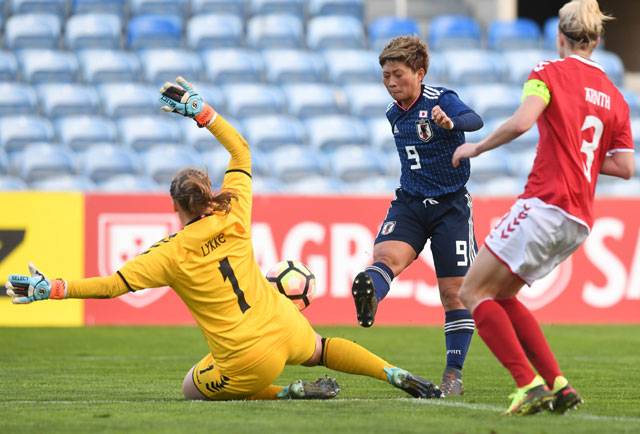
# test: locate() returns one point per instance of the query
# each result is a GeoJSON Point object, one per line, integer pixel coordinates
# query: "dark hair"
{"type": "Point", "coordinates": [191, 189]}
{"type": "Point", "coordinates": [409, 50]}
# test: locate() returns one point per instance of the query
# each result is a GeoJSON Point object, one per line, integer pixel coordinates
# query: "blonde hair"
{"type": "Point", "coordinates": [581, 21]}
{"type": "Point", "coordinates": [191, 189]}
{"type": "Point", "coordinates": [409, 50]}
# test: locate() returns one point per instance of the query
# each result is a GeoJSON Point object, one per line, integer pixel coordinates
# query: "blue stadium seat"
{"type": "Point", "coordinates": [264, 7]}
{"type": "Point", "coordinates": [215, 161]}
{"type": "Point", "coordinates": [333, 131]}
{"type": "Point", "coordinates": [630, 96]}
{"type": "Point", "coordinates": [4, 163]}
{"type": "Point", "coordinates": [380, 132]}
{"type": "Point", "coordinates": [437, 73]}
{"type": "Point", "coordinates": [519, 163]}
{"type": "Point", "coordinates": [498, 186]}
{"type": "Point", "coordinates": [253, 99]}
{"type": "Point", "coordinates": [269, 131]}
{"type": "Point", "coordinates": [17, 131]}
{"type": "Point", "coordinates": [64, 183]}
{"type": "Point", "coordinates": [165, 64]}
{"type": "Point", "coordinates": [11, 183]}
{"type": "Point", "coordinates": [313, 185]}
{"type": "Point", "coordinates": [335, 31]}
{"type": "Point", "coordinates": [308, 99]}
{"type": "Point", "coordinates": [103, 161]}
{"type": "Point", "coordinates": [67, 99]}
{"type": "Point", "coordinates": [44, 160]}
{"type": "Point", "coordinates": [78, 132]}
{"type": "Point", "coordinates": [32, 31]}
{"type": "Point", "coordinates": [109, 66]}
{"type": "Point", "coordinates": [390, 162]}
{"type": "Point", "coordinates": [231, 65]}
{"type": "Point", "coordinates": [213, 95]}
{"type": "Point", "coordinates": [275, 31]}
{"type": "Point", "coordinates": [131, 184]}
{"type": "Point", "coordinates": [353, 163]}
{"type": "Point", "coordinates": [378, 186]}
{"type": "Point", "coordinates": [235, 7]}
{"type": "Point", "coordinates": [520, 63]}
{"type": "Point", "coordinates": [141, 132]}
{"type": "Point", "coordinates": [513, 35]}
{"type": "Point", "coordinates": [93, 31]}
{"type": "Point", "coordinates": [613, 187]}
{"type": "Point", "coordinates": [209, 31]}
{"type": "Point", "coordinates": [492, 100]}
{"type": "Point", "coordinates": [454, 31]}
{"type": "Point", "coordinates": [128, 99]}
{"type": "Point", "coordinates": [291, 163]}
{"type": "Point", "coordinates": [550, 32]}
{"type": "Point", "coordinates": [154, 31]}
{"type": "Point", "coordinates": [161, 163]}
{"type": "Point", "coordinates": [17, 100]}
{"type": "Point", "coordinates": [367, 100]}
{"type": "Point", "coordinates": [293, 66]}
{"type": "Point", "coordinates": [98, 6]}
{"type": "Point", "coordinates": [161, 7]}
{"type": "Point", "coordinates": [48, 66]}
{"type": "Point", "coordinates": [465, 67]}
{"type": "Point", "coordinates": [56, 7]}
{"type": "Point", "coordinates": [383, 29]}
{"type": "Point", "coordinates": [200, 138]}
{"type": "Point", "coordinates": [635, 133]}
{"type": "Point", "coordinates": [8, 66]}
{"type": "Point", "coordinates": [265, 185]}
{"type": "Point", "coordinates": [354, 8]}
{"type": "Point", "coordinates": [612, 64]}
{"type": "Point", "coordinates": [489, 165]}
{"type": "Point", "coordinates": [345, 66]}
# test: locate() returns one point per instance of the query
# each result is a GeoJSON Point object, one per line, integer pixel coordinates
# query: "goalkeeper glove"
{"type": "Point", "coordinates": [182, 98]}
{"type": "Point", "coordinates": [24, 289]}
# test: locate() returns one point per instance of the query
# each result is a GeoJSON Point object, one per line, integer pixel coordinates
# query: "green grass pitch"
{"type": "Point", "coordinates": [121, 379]}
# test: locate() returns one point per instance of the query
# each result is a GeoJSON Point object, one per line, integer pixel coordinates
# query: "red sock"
{"type": "Point", "coordinates": [495, 329]}
{"type": "Point", "coordinates": [532, 340]}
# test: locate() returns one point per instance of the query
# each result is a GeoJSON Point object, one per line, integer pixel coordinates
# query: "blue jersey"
{"type": "Point", "coordinates": [425, 149]}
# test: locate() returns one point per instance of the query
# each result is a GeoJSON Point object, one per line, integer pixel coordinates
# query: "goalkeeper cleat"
{"type": "Point", "coordinates": [565, 396]}
{"type": "Point", "coordinates": [322, 388]}
{"type": "Point", "coordinates": [364, 297]}
{"type": "Point", "coordinates": [530, 399]}
{"type": "Point", "coordinates": [415, 386]}
{"type": "Point", "coordinates": [451, 384]}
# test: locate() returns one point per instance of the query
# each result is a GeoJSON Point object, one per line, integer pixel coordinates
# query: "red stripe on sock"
{"type": "Point", "coordinates": [495, 329]}
{"type": "Point", "coordinates": [532, 339]}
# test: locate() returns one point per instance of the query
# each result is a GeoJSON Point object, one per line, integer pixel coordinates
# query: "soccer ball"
{"type": "Point", "coordinates": [295, 280]}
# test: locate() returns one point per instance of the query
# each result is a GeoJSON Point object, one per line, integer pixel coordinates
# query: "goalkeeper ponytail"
{"type": "Point", "coordinates": [191, 189]}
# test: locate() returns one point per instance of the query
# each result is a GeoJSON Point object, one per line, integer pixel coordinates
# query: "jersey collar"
{"type": "Point", "coordinates": [414, 101]}
{"type": "Point", "coordinates": [587, 62]}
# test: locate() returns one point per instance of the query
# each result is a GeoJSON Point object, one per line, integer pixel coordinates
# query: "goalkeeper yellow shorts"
{"type": "Point", "coordinates": [237, 382]}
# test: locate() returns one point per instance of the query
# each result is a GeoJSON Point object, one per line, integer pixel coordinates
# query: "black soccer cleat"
{"type": "Point", "coordinates": [364, 297]}
{"type": "Point", "coordinates": [566, 399]}
{"type": "Point", "coordinates": [414, 385]}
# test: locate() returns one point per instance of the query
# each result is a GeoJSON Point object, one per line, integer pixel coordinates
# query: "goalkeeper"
{"type": "Point", "coordinates": [252, 331]}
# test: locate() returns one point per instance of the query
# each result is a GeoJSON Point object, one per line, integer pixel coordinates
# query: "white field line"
{"type": "Point", "coordinates": [432, 402]}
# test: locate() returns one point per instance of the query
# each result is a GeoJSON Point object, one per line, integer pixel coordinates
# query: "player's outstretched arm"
{"type": "Point", "coordinates": [36, 287]}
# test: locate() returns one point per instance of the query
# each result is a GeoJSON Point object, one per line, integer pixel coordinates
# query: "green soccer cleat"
{"type": "Point", "coordinates": [415, 386]}
{"type": "Point", "coordinates": [364, 297]}
{"type": "Point", "coordinates": [565, 396]}
{"type": "Point", "coordinates": [322, 388]}
{"type": "Point", "coordinates": [451, 384]}
{"type": "Point", "coordinates": [530, 399]}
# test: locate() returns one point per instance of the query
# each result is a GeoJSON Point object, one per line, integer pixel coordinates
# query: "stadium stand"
{"type": "Point", "coordinates": [17, 100]}
{"type": "Point", "coordinates": [513, 35]}
{"type": "Point", "coordinates": [473, 66]}
{"type": "Point", "coordinates": [46, 160]}
{"type": "Point", "coordinates": [131, 184]}
{"type": "Point", "coordinates": [152, 31]}
{"type": "Point", "coordinates": [492, 100]}
{"type": "Point", "coordinates": [18, 131]}
{"type": "Point", "coordinates": [332, 131]}
{"type": "Point", "coordinates": [32, 31]}
{"type": "Point", "coordinates": [268, 131]}
{"type": "Point", "coordinates": [214, 30]}
{"type": "Point", "coordinates": [291, 163]}
{"type": "Point", "coordinates": [253, 99]}
{"type": "Point", "coordinates": [352, 66]}
{"type": "Point", "coordinates": [519, 63]}
{"type": "Point", "coordinates": [235, 7]}
{"type": "Point", "coordinates": [57, 7]}
{"type": "Point", "coordinates": [93, 31]}
{"type": "Point", "coordinates": [100, 162]}
{"type": "Point", "coordinates": [8, 66]}
{"type": "Point", "coordinates": [11, 183]}
{"type": "Point", "coordinates": [128, 99]}
{"type": "Point", "coordinates": [160, 65]}
{"type": "Point", "coordinates": [275, 31]}
{"type": "Point", "coordinates": [98, 6]}
{"type": "Point", "coordinates": [367, 100]}
{"type": "Point", "coordinates": [48, 66]}
{"type": "Point", "coordinates": [353, 8]}
{"type": "Point", "coordinates": [233, 65]}
{"type": "Point", "coordinates": [162, 162]}
{"type": "Point", "coordinates": [98, 66]}
{"type": "Point", "coordinates": [354, 163]}
{"type": "Point", "coordinates": [284, 66]}
{"type": "Point", "coordinates": [311, 99]}
{"type": "Point", "coordinates": [335, 31]}
{"type": "Point", "coordinates": [265, 7]}
{"type": "Point", "coordinates": [142, 132]}
{"type": "Point", "coordinates": [64, 183]}
{"type": "Point", "coordinates": [57, 100]}
{"type": "Point", "coordinates": [168, 7]}
{"type": "Point", "coordinates": [382, 29]}
{"type": "Point", "coordinates": [454, 31]}
{"type": "Point", "coordinates": [78, 132]}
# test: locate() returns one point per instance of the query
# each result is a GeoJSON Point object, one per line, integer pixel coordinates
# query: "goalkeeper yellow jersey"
{"type": "Point", "coordinates": [210, 264]}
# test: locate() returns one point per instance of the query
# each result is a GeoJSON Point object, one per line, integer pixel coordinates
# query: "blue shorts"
{"type": "Point", "coordinates": [447, 220]}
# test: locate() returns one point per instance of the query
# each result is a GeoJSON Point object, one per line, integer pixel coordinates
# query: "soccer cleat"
{"type": "Point", "coordinates": [565, 396]}
{"type": "Point", "coordinates": [451, 382]}
{"type": "Point", "coordinates": [322, 388]}
{"type": "Point", "coordinates": [530, 399]}
{"type": "Point", "coordinates": [415, 386]}
{"type": "Point", "coordinates": [364, 297]}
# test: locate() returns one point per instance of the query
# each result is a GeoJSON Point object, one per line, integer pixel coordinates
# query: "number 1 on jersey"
{"type": "Point", "coordinates": [228, 274]}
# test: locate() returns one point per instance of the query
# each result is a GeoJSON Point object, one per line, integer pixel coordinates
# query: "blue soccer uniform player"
{"type": "Point", "coordinates": [432, 203]}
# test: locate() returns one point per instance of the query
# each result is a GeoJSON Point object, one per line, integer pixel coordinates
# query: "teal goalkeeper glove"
{"type": "Point", "coordinates": [24, 289]}
{"type": "Point", "coordinates": [182, 98]}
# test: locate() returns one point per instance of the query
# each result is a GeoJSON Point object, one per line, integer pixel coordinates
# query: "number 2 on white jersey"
{"type": "Point", "coordinates": [412, 154]}
{"type": "Point", "coordinates": [588, 148]}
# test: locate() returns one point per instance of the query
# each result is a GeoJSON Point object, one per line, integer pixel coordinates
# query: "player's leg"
{"type": "Point", "coordinates": [400, 240]}
{"type": "Point", "coordinates": [454, 247]}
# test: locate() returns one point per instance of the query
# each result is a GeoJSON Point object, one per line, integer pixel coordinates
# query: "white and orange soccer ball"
{"type": "Point", "coordinates": [295, 280]}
